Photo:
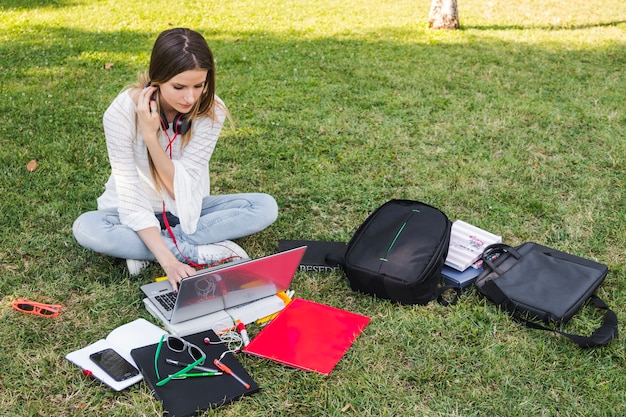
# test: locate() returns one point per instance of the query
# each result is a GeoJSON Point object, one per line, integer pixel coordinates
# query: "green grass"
{"type": "Point", "coordinates": [515, 123]}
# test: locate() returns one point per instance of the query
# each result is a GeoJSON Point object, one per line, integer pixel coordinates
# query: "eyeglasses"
{"type": "Point", "coordinates": [38, 309]}
{"type": "Point", "coordinates": [176, 344]}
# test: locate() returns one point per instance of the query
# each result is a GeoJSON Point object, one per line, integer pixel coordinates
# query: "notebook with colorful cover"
{"type": "Point", "coordinates": [308, 335]}
{"type": "Point", "coordinates": [467, 243]}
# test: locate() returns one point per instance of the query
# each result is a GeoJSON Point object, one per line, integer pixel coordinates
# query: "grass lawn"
{"type": "Point", "coordinates": [515, 123]}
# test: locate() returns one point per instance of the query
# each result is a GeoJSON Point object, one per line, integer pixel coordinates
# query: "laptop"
{"type": "Point", "coordinates": [225, 286]}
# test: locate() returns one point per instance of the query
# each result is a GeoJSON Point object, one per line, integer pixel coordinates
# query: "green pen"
{"type": "Point", "coordinates": [195, 374]}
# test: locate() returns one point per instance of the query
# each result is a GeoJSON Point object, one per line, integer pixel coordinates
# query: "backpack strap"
{"type": "Point", "coordinates": [600, 336]}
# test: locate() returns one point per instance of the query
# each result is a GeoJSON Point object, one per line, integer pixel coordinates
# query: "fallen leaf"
{"type": "Point", "coordinates": [32, 165]}
{"type": "Point", "coordinates": [108, 65]}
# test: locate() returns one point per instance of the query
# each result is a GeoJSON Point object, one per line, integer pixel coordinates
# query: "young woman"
{"type": "Point", "coordinates": [160, 135]}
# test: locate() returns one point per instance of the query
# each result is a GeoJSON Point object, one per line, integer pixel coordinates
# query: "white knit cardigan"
{"type": "Point", "coordinates": [130, 188]}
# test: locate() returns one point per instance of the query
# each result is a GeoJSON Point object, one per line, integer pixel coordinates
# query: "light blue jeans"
{"type": "Point", "coordinates": [223, 217]}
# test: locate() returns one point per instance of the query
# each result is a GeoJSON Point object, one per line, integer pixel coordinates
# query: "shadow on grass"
{"type": "Point", "coordinates": [544, 27]}
{"type": "Point", "coordinates": [35, 4]}
{"type": "Point", "coordinates": [429, 119]}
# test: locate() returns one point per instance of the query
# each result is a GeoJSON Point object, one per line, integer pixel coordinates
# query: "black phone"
{"type": "Point", "coordinates": [114, 364]}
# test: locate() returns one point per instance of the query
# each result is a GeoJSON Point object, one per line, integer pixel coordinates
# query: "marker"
{"type": "Point", "coordinates": [183, 365]}
{"type": "Point", "coordinates": [241, 328]}
{"type": "Point", "coordinates": [284, 296]}
{"type": "Point", "coordinates": [266, 319]}
{"type": "Point", "coordinates": [230, 372]}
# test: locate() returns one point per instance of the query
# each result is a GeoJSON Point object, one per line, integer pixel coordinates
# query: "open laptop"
{"type": "Point", "coordinates": [225, 286]}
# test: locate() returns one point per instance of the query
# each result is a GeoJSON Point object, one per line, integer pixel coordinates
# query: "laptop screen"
{"type": "Point", "coordinates": [242, 282]}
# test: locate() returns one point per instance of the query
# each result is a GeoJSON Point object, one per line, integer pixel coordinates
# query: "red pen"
{"type": "Point", "coordinates": [230, 372]}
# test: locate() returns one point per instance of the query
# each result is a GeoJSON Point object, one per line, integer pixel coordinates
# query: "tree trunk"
{"type": "Point", "coordinates": [443, 15]}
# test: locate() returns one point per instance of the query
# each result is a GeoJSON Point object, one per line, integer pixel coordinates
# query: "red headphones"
{"type": "Point", "coordinates": [180, 124]}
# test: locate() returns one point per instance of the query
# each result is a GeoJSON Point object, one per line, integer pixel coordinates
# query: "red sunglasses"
{"type": "Point", "coordinates": [38, 309]}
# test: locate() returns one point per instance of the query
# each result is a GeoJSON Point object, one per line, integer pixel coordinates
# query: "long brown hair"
{"type": "Point", "coordinates": [175, 51]}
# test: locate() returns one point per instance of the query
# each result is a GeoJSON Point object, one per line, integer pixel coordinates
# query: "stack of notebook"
{"type": "Point", "coordinates": [467, 243]}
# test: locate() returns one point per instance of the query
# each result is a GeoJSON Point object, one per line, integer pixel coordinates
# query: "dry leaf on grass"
{"type": "Point", "coordinates": [347, 407]}
{"type": "Point", "coordinates": [32, 165]}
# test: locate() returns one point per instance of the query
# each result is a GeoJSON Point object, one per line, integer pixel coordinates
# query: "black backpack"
{"type": "Point", "coordinates": [398, 252]}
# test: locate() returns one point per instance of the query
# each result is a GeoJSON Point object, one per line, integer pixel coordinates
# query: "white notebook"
{"type": "Point", "coordinates": [467, 243]}
{"type": "Point", "coordinates": [122, 340]}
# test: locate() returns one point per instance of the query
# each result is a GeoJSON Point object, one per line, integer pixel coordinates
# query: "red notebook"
{"type": "Point", "coordinates": [308, 335]}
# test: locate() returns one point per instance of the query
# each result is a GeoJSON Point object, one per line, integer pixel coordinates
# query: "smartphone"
{"type": "Point", "coordinates": [114, 364]}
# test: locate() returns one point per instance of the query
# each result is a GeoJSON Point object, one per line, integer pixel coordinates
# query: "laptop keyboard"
{"type": "Point", "coordinates": [167, 300]}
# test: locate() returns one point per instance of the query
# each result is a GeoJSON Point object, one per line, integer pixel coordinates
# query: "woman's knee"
{"type": "Point", "coordinates": [268, 206]}
{"type": "Point", "coordinates": [79, 230]}
{"type": "Point", "coordinates": [89, 230]}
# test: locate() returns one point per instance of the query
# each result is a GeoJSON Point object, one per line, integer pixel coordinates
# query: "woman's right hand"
{"type": "Point", "coordinates": [176, 272]}
{"type": "Point", "coordinates": [173, 268]}
{"type": "Point", "coordinates": [149, 119]}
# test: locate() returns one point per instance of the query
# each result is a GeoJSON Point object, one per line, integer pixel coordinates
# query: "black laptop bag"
{"type": "Point", "coordinates": [536, 283]}
{"type": "Point", "coordinates": [398, 252]}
